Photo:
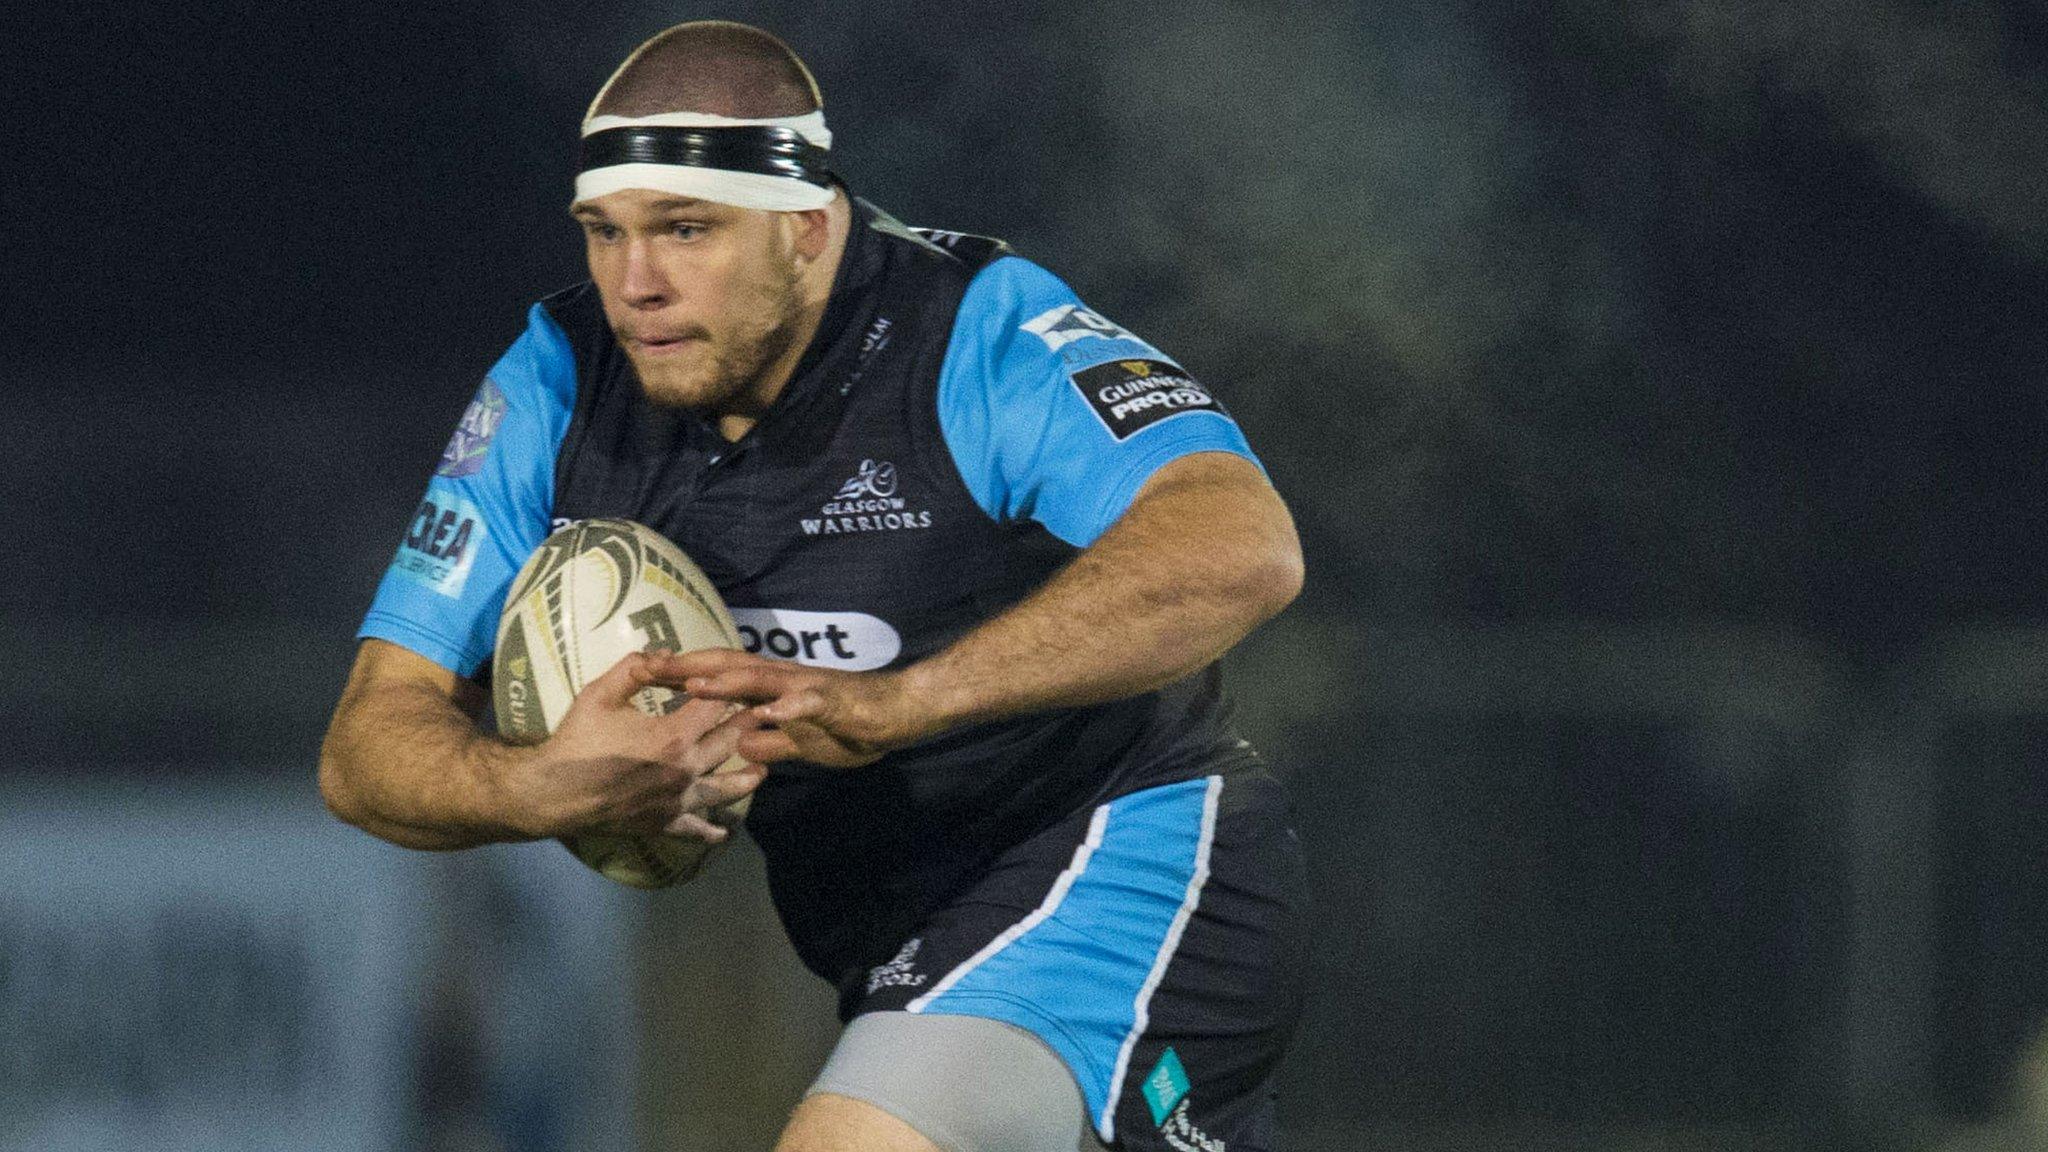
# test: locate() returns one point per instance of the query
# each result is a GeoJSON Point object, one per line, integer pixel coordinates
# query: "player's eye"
{"type": "Point", "coordinates": [601, 231]}
{"type": "Point", "coordinates": [686, 230]}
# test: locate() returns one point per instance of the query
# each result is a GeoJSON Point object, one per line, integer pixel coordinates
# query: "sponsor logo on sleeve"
{"type": "Point", "coordinates": [848, 641]}
{"type": "Point", "coordinates": [472, 439]}
{"type": "Point", "coordinates": [441, 543]}
{"type": "Point", "coordinates": [1063, 325]}
{"type": "Point", "coordinates": [1129, 396]}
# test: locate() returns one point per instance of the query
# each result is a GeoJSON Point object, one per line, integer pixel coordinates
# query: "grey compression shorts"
{"type": "Point", "coordinates": [968, 1084]}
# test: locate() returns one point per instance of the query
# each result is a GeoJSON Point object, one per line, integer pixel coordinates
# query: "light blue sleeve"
{"type": "Point", "coordinates": [1053, 413]}
{"type": "Point", "coordinates": [486, 509]}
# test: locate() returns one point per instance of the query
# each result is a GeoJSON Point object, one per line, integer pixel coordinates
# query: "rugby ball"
{"type": "Point", "coordinates": [593, 592]}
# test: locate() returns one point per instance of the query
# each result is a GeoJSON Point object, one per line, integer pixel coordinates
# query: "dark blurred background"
{"type": "Point", "coordinates": [1657, 387]}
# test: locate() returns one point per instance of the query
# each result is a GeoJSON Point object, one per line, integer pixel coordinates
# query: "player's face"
{"type": "Point", "coordinates": [702, 296]}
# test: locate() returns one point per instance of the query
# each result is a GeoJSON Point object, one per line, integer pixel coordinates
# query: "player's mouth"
{"type": "Point", "coordinates": [660, 346]}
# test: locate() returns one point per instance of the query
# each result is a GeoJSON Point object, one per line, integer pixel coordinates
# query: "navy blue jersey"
{"type": "Point", "coordinates": [960, 426]}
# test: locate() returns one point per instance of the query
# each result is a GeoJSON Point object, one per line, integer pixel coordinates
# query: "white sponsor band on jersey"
{"type": "Point", "coordinates": [847, 641]}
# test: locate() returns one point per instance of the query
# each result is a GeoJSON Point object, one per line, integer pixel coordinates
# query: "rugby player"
{"type": "Point", "coordinates": [990, 546]}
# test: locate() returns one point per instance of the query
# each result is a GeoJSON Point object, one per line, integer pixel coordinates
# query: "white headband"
{"type": "Point", "coordinates": [742, 189]}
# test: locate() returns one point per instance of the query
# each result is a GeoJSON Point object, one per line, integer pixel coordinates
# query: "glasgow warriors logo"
{"type": "Point", "coordinates": [873, 479]}
{"type": "Point", "coordinates": [866, 502]}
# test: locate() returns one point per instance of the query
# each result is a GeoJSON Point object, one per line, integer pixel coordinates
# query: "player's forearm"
{"type": "Point", "coordinates": [1206, 554]}
{"type": "Point", "coordinates": [405, 764]}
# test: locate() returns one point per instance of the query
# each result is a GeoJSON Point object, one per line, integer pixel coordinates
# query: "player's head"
{"type": "Point", "coordinates": [706, 206]}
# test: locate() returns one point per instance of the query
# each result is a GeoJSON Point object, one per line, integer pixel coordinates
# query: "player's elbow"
{"type": "Point", "coordinates": [341, 752]}
{"type": "Point", "coordinates": [347, 802]}
{"type": "Point", "coordinates": [1289, 576]}
{"type": "Point", "coordinates": [1275, 580]}
{"type": "Point", "coordinates": [335, 792]}
{"type": "Point", "coordinates": [1271, 572]}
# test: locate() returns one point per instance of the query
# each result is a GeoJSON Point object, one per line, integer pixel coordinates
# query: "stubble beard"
{"type": "Point", "coordinates": [719, 377]}
{"type": "Point", "coordinates": [715, 380]}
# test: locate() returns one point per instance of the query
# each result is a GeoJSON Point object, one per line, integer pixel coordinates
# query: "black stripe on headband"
{"type": "Point", "coordinates": [766, 150]}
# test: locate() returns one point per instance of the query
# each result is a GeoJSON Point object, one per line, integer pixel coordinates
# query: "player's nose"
{"type": "Point", "coordinates": [641, 282]}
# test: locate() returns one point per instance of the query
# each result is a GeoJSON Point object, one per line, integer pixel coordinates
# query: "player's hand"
{"type": "Point", "coordinates": [837, 719]}
{"type": "Point", "coordinates": [610, 767]}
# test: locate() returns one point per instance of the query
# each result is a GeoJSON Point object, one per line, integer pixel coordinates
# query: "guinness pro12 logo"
{"type": "Point", "coordinates": [1131, 395]}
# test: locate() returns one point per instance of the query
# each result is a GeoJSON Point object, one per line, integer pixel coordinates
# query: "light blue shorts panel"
{"type": "Point", "coordinates": [1080, 970]}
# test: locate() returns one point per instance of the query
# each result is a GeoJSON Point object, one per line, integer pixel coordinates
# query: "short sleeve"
{"type": "Point", "coordinates": [486, 507]}
{"type": "Point", "coordinates": [1053, 413]}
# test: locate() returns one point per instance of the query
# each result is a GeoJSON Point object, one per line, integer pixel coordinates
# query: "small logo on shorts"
{"type": "Point", "coordinates": [1165, 1085]}
{"type": "Point", "coordinates": [1166, 1094]}
{"type": "Point", "coordinates": [1180, 1133]}
{"type": "Point", "coordinates": [896, 973]}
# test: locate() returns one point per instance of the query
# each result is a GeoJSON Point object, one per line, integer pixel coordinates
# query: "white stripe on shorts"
{"type": "Point", "coordinates": [1047, 907]}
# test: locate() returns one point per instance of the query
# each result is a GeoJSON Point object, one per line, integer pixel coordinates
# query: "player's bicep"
{"type": "Point", "coordinates": [1056, 414]}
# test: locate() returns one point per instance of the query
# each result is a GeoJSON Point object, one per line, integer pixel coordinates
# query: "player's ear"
{"type": "Point", "coordinates": [813, 232]}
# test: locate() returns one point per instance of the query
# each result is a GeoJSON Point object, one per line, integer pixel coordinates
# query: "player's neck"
{"type": "Point", "coordinates": [816, 290]}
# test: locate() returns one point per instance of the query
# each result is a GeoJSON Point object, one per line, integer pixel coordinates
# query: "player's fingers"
{"type": "Point", "coordinates": [741, 718]}
{"type": "Point", "coordinates": [769, 746]}
{"type": "Point", "coordinates": [739, 721]}
{"type": "Point", "coordinates": [697, 717]}
{"type": "Point", "coordinates": [696, 827]}
{"type": "Point", "coordinates": [823, 746]}
{"type": "Point", "coordinates": [618, 684]}
{"type": "Point", "coordinates": [676, 667]}
{"type": "Point", "coordinates": [747, 685]}
{"type": "Point", "coordinates": [718, 789]}
{"type": "Point", "coordinates": [803, 704]}
{"type": "Point", "coordinates": [695, 755]}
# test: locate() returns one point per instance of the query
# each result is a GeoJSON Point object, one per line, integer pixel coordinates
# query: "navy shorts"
{"type": "Point", "coordinates": [1157, 943]}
